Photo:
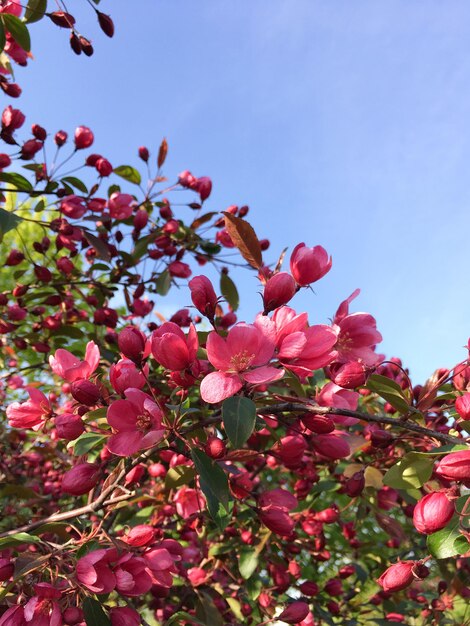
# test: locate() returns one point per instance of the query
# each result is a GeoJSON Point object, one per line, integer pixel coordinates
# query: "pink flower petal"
{"type": "Point", "coordinates": [261, 375]}
{"type": "Point", "coordinates": [217, 386]}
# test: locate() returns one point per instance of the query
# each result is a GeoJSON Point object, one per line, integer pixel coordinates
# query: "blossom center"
{"type": "Point", "coordinates": [241, 361]}
{"type": "Point", "coordinates": [144, 422]}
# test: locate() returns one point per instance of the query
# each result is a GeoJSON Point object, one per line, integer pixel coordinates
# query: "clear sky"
{"type": "Point", "coordinates": [345, 124]}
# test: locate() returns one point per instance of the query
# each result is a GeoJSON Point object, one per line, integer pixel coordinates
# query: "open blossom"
{"type": "Point", "coordinates": [188, 501]}
{"type": "Point", "coordinates": [300, 348]}
{"type": "Point", "coordinates": [138, 422]}
{"type": "Point", "coordinates": [357, 335]}
{"type": "Point", "coordinates": [333, 395]}
{"type": "Point", "coordinates": [161, 565]}
{"type": "Point", "coordinates": [132, 577]}
{"type": "Point", "coordinates": [30, 414]}
{"type": "Point", "coordinates": [43, 609]}
{"type": "Point", "coordinates": [242, 357]}
{"type": "Point", "coordinates": [93, 570]}
{"type": "Point", "coordinates": [121, 205]}
{"type": "Point", "coordinates": [70, 368]}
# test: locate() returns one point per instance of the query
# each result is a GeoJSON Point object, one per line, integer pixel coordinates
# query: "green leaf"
{"type": "Point", "coordinates": [206, 610]}
{"type": "Point", "coordinates": [17, 539]}
{"type": "Point", "coordinates": [94, 613]}
{"type": "Point", "coordinates": [247, 563]}
{"type": "Point", "coordinates": [129, 173]}
{"type": "Point", "coordinates": [229, 291]}
{"type": "Point", "coordinates": [448, 542]}
{"type": "Point", "coordinates": [239, 418]}
{"type": "Point", "coordinates": [76, 182]}
{"type": "Point", "coordinates": [34, 11]}
{"type": "Point", "coordinates": [86, 442]}
{"type": "Point", "coordinates": [178, 476]}
{"type": "Point", "coordinates": [411, 472]}
{"type": "Point", "coordinates": [8, 221]}
{"type": "Point", "coordinates": [17, 180]}
{"type": "Point", "coordinates": [177, 618]}
{"type": "Point", "coordinates": [3, 39]}
{"type": "Point", "coordinates": [163, 283]}
{"type": "Point", "coordinates": [214, 485]}
{"type": "Point", "coordinates": [18, 30]}
{"type": "Point", "coordinates": [99, 245]}
{"type": "Point", "coordinates": [390, 391]}
{"type": "Point", "coordinates": [235, 607]}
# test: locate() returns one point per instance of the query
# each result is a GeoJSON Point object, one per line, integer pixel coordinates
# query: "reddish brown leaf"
{"type": "Point", "coordinates": [245, 239]}
{"type": "Point", "coordinates": [162, 153]}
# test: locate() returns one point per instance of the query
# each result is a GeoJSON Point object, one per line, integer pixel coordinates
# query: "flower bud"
{"type": "Point", "coordinates": [140, 535]}
{"type": "Point", "coordinates": [7, 567]}
{"type": "Point", "coordinates": [103, 167]}
{"type": "Point", "coordinates": [73, 615]}
{"type": "Point", "coordinates": [455, 466]}
{"type": "Point", "coordinates": [278, 290]}
{"type": "Point", "coordinates": [60, 138]}
{"type": "Point", "coordinates": [203, 187]}
{"type": "Point", "coordinates": [333, 587]}
{"type": "Point", "coordinates": [14, 258]}
{"type": "Point", "coordinates": [80, 479]}
{"type": "Point", "coordinates": [62, 19]}
{"type": "Point", "coordinates": [397, 576]}
{"type": "Point", "coordinates": [291, 450]}
{"type": "Point", "coordinates": [277, 520]}
{"type": "Point", "coordinates": [141, 219]}
{"type": "Point", "coordinates": [331, 446]}
{"type": "Point", "coordinates": [308, 265]}
{"type": "Point", "coordinates": [348, 375]}
{"type": "Point", "coordinates": [320, 424]}
{"type": "Point", "coordinates": [85, 392]}
{"type": "Point", "coordinates": [354, 486]}
{"type": "Point", "coordinates": [144, 153]}
{"type": "Point", "coordinates": [203, 295]}
{"type": "Point", "coordinates": [131, 342]}
{"type": "Point", "coordinates": [296, 612]}
{"type": "Point", "coordinates": [106, 23]}
{"type": "Point", "coordinates": [432, 513]}
{"type": "Point", "coordinates": [69, 426]}
{"type": "Point", "coordinates": [83, 137]}
{"type": "Point", "coordinates": [5, 161]}
{"type": "Point", "coordinates": [215, 448]}
{"type": "Point", "coordinates": [124, 616]}
{"type": "Point", "coordinates": [381, 438]}
{"type": "Point", "coordinates": [309, 588]}
{"type": "Point", "coordinates": [462, 406]}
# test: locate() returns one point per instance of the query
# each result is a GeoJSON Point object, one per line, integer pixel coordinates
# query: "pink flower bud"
{"type": "Point", "coordinates": [83, 137]}
{"type": "Point", "coordinates": [397, 576]}
{"type": "Point", "coordinates": [354, 486]}
{"type": "Point", "coordinates": [62, 19]}
{"type": "Point", "coordinates": [291, 450]}
{"type": "Point", "coordinates": [144, 153]}
{"type": "Point", "coordinates": [320, 424]}
{"type": "Point", "coordinates": [106, 23]}
{"type": "Point", "coordinates": [455, 466]}
{"type": "Point", "coordinates": [124, 616]}
{"type": "Point", "coordinates": [140, 535]}
{"type": "Point", "coordinates": [103, 167]}
{"type": "Point", "coordinates": [7, 567]}
{"type": "Point", "coordinates": [331, 446]}
{"type": "Point", "coordinates": [178, 269]}
{"type": "Point", "coordinates": [308, 265]}
{"type": "Point", "coordinates": [277, 520]}
{"type": "Point", "coordinates": [432, 512]}
{"type": "Point", "coordinates": [69, 426]}
{"type": "Point", "coordinates": [309, 588]}
{"type": "Point", "coordinates": [141, 219]}
{"type": "Point", "coordinates": [348, 375]}
{"type": "Point", "coordinates": [5, 161]}
{"type": "Point", "coordinates": [215, 447]}
{"type": "Point", "coordinates": [131, 343]}
{"type": "Point", "coordinates": [327, 516]}
{"type": "Point", "coordinates": [60, 138]}
{"type": "Point", "coordinates": [203, 295]}
{"type": "Point", "coordinates": [73, 615]}
{"type": "Point", "coordinates": [294, 613]}
{"type": "Point", "coordinates": [334, 587]}
{"type": "Point", "coordinates": [85, 392]}
{"type": "Point", "coordinates": [278, 290]}
{"type": "Point", "coordinates": [80, 479]}
{"type": "Point", "coordinates": [462, 406]}
{"type": "Point", "coordinates": [39, 132]}
{"type": "Point", "coordinates": [65, 265]}
{"type": "Point", "coordinates": [14, 258]}
{"type": "Point", "coordinates": [203, 187]}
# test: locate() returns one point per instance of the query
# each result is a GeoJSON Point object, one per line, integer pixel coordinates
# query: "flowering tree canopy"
{"type": "Point", "coordinates": [201, 469]}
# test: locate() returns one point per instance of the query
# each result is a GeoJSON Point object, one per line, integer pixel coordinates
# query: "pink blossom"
{"type": "Point", "coordinates": [138, 422]}
{"type": "Point", "coordinates": [357, 334]}
{"type": "Point", "coordinates": [309, 264]}
{"type": "Point", "coordinates": [30, 414]}
{"type": "Point", "coordinates": [94, 572]}
{"type": "Point", "coordinates": [161, 565]}
{"type": "Point", "coordinates": [172, 348]}
{"type": "Point", "coordinates": [240, 358]}
{"type": "Point", "coordinates": [142, 306]}
{"type": "Point", "coordinates": [132, 578]}
{"type": "Point", "coordinates": [43, 609]}
{"type": "Point", "coordinates": [73, 207]}
{"type": "Point", "coordinates": [124, 374]}
{"type": "Point", "coordinates": [334, 396]}
{"type": "Point", "coordinates": [188, 501]}
{"type": "Point", "coordinates": [70, 368]}
{"type": "Point", "coordinates": [121, 205]}
{"type": "Point", "coordinates": [14, 616]}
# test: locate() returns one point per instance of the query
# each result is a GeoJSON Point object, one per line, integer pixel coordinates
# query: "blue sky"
{"type": "Point", "coordinates": [344, 124]}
